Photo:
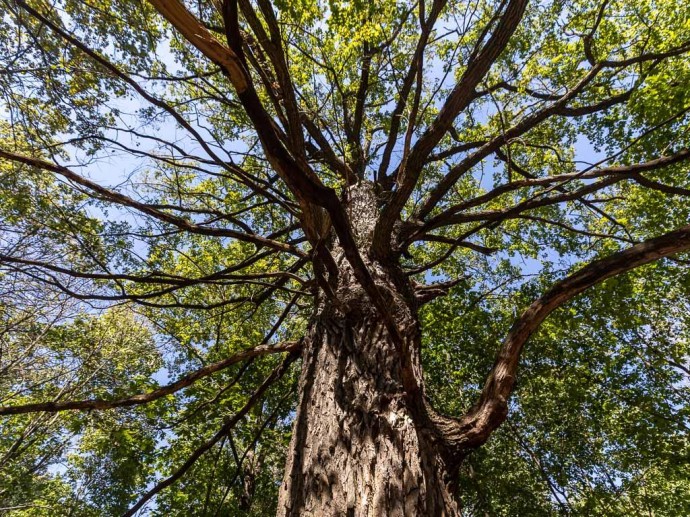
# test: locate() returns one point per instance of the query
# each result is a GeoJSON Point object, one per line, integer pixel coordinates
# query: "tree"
{"type": "Point", "coordinates": [323, 217]}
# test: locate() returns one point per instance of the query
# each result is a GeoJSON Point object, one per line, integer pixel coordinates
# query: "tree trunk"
{"type": "Point", "coordinates": [358, 447]}
{"type": "Point", "coordinates": [355, 448]}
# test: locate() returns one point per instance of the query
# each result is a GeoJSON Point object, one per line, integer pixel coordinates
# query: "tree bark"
{"type": "Point", "coordinates": [356, 449]}
{"type": "Point", "coordinates": [359, 447]}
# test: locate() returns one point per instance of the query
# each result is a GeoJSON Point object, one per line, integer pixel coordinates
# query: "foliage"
{"type": "Point", "coordinates": [200, 247]}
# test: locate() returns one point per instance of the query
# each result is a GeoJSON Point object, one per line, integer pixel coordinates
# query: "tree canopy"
{"type": "Point", "coordinates": [173, 177]}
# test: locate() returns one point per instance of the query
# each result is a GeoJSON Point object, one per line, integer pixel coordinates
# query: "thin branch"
{"type": "Point", "coordinates": [121, 199]}
{"type": "Point", "coordinates": [224, 430]}
{"type": "Point", "coordinates": [145, 398]}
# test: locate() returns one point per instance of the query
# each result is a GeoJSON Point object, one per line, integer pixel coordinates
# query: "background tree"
{"type": "Point", "coordinates": [245, 242]}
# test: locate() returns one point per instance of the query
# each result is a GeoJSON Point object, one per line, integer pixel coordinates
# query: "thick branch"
{"type": "Point", "coordinates": [492, 408]}
{"type": "Point", "coordinates": [462, 95]}
{"type": "Point", "coordinates": [180, 18]}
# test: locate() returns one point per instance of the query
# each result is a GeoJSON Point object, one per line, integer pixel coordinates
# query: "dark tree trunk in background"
{"type": "Point", "coordinates": [357, 448]}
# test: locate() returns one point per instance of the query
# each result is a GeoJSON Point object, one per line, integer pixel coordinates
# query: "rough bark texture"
{"type": "Point", "coordinates": [357, 447]}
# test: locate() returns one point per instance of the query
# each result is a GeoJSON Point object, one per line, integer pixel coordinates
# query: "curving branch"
{"type": "Point", "coordinates": [492, 408]}
{"type": "Point", "coordinates": [155, 278]}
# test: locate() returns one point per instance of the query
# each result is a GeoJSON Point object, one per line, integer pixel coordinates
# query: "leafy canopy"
{"type": "Point", "coordinates": [152, 225]}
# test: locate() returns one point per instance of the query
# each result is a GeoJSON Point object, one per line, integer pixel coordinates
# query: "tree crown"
{"type": "Point", "coordinates": [177, 182]}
